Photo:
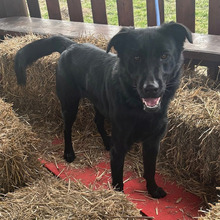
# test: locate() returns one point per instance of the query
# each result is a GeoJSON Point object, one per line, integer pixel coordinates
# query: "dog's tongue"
{"type": "Point", "coordinates": [151, 102]}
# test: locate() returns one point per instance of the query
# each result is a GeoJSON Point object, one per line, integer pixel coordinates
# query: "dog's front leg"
{"type": "Point", "coordinates": [117, 153]}
{"type": "Point", "coordinates": [150, 151]}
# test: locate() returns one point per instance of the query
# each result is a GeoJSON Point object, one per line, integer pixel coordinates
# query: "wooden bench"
{"type": "Point", "coordinates": [204, 51]}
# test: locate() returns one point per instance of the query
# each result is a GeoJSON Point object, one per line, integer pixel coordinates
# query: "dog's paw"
{"type": "Point", "coordinates": [158, 193]}
{"type": "Point", "coordinates": [69, 157]}
{"type": "Point", "coordinates": [118, 187]}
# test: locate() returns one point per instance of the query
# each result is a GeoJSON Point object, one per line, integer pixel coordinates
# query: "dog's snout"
{"type": "Point", "coordinates": [151, 87]}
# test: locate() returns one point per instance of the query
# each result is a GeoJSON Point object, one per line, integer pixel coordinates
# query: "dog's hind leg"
{"type": "Point", "coordinates": [69, 111]}
{"type": "Point", "coordinates": [69, 98]}
{"type": "Point", "coordinates": [100, 121]}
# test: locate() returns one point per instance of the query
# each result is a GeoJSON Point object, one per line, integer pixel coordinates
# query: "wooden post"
{"type": "Point", "coordinates": [214, 17]}
{"type": "Point", "coordinates": [2, 9]}
{"type": "Point", "coordinates": [53, 8]}
{"type": "Point", "coordinates": [14, 8]}
{"type": "Point", "coordinates": [125, 12]}
{"type": "Point", "coordinates": [75, 10]}
{"type": "Point", "coordinates": [213, 70]}
{"type": "Point", "coordinates": [185, 13]}
{"type": "Point", "coordinates": [99, 11]}
{"type": "Point", "coordinates": [34, 8]}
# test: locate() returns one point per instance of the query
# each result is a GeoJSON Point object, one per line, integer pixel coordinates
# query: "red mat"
{"type": "Point", "coordinates": [177, 205]}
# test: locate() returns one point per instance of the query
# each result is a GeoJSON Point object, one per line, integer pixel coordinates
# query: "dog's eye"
{"type": "Point", "coordinates": [164, 56]}
{"type": "Point", "coordinates": [137, 58]}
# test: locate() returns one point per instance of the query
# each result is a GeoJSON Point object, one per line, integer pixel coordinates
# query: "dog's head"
{"type": "Point", "coordinates": [150, 60]}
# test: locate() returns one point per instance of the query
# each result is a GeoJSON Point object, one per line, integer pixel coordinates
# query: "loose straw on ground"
{"type": "Point", "coordinates": [52, 198]}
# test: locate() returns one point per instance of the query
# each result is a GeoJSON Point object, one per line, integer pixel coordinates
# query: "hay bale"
{"type": "Point", "coordinates": [18, 162]}
{"type": "Point", "coordinates": [52, 198]}
{"type": "Point", "coordinates": [190, 151]}
{"type": "Point", "coordinates": [38, 97]}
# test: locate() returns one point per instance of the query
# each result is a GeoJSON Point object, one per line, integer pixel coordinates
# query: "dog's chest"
{"type": "Point", "coordinates": [144, 128]}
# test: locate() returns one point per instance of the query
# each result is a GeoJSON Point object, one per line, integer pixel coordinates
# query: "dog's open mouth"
{"type": "Point", "coordinates": [151, 103]}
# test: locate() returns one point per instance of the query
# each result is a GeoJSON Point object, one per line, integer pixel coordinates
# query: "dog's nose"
{"type": "Point", "coordinates": [151, 87]}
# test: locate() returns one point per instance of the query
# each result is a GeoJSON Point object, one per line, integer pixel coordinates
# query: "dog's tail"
{"type": "Point", "coordinates": [35, 50]}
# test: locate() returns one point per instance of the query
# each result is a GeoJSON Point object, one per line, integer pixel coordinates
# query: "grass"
{"type": "Point", "coordinates": [140, 15]}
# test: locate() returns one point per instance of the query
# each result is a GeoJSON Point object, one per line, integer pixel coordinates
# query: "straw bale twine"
{"type": "Point", "coordinates": [52, 198]}
{"type": "Point", "coordinates": [18, 160]}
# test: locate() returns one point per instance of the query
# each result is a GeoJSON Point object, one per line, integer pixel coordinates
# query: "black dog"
{"type": "Point", "coordinates": [132, 89]}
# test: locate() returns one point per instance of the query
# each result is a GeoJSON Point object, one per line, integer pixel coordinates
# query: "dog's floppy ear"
{"type": "Point", "coordinates": [179, 31]}
{"type": "Point", "coordinates": [119, 40]}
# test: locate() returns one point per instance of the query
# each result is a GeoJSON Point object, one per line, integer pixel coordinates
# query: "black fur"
{"type": "Point", "coordinates": [132, 89]}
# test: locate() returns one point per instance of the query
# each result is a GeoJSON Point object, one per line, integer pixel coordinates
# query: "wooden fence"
{"type": "Point", "coordinates": [204, 51]}
{"type": "Point", "coordinates": [185, 11]}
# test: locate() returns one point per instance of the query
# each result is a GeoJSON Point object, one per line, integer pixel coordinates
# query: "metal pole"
{"type": "Point", "coordinates": [157, 12]}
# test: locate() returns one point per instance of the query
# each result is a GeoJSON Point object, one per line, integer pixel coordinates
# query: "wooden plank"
{"type": "Point", "coordinates": [24, 25]}
{"type": "Point", "coordinates": [75, 10]}
{"type": "Point", "coordinates": [185, 13]}
{"type": "Point", "coordinates": [214, 17]}
{"type": "Point", "coordinates": [99, 11]}
{"type": "Point", "coordinates": [151, 13]}
{"type": "Point", "coordinates": [15, 8]}
{"type": "Point", "coordinates": [53, 8]}
{"type": "Point", "coordinates": [125, 12]}
{"type": "Point", "coordinates": [34, 8]}
{"type": "Point", "coordinates": [205, 47]}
